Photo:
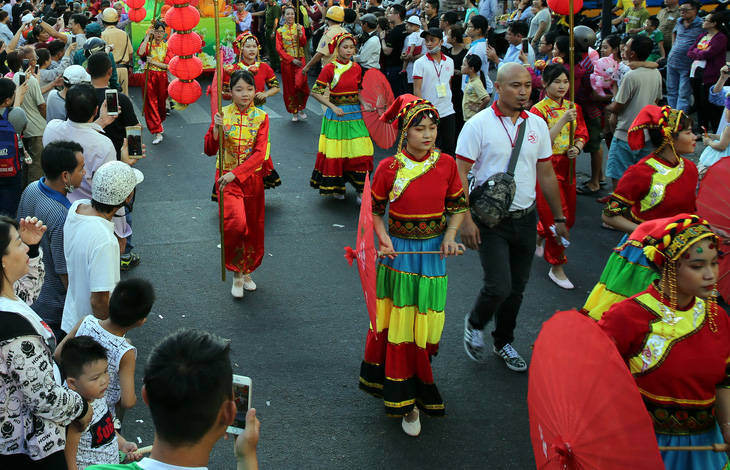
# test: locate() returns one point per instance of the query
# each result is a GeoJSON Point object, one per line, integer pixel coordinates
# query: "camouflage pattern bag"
{"type": "Point", "coordinates": [490, 201]}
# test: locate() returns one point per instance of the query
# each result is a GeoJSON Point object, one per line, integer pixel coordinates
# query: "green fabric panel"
{"type": "Point", "coordinates": [626, 278]}
{"type": "Point", "coordinates": [344, 130]}
{"type": "Point", "coordinates": [411, 289]}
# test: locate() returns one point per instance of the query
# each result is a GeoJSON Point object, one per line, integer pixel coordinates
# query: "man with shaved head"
{"type": "Point", "coordinates": [506, 249]}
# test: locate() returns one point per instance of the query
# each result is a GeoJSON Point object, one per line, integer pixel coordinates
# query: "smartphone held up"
{"type": "Point", "coordinates": [134, 141]}
{"type": "Point", "coordinates": [242, 399]}
{"type": "Point", "coordinates": [112, 102]}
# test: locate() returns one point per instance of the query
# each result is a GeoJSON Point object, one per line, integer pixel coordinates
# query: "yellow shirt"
{"type": "Point", "coordinates": [324, 43]}
{"type": "Point", "coordinates": [474, 93]}
{"type": "Point", "coordinates": [121, 42]}
{"type": "Point", "coordinates": [626, 4]}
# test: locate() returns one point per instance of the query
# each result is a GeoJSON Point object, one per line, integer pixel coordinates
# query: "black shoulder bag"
{"type": "Point", "coordinates": [490, 202]}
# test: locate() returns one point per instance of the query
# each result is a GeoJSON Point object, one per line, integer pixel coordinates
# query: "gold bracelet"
{"type": "Point", "coordinates": [451, 226]}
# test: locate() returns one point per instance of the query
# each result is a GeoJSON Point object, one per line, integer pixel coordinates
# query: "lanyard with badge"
{"type": "Point", "coordinates": [440, 87]}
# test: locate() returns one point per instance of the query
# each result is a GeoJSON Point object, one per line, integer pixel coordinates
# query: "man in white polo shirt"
{"type": "Point", "coordinates": [506, 250]}
{"type": "Point", "coordinates": [432, 81]}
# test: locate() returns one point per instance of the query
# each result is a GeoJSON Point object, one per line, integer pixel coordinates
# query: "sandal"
{"type": "Point", "coordinates": [585, 190]}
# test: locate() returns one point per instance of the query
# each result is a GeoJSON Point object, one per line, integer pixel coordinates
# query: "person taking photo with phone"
{"type": "Point", "coordinates": [516, 36]}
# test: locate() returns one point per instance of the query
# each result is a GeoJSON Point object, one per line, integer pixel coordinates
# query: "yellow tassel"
{"type": "Point", "coordinates": [650, 251]}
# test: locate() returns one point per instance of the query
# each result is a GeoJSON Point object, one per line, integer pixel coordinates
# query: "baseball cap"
{"type": "Point", "coordinates": [370, 19]}
{"type": "Point", "coordinates": [435, 32]}
{"type": "Point", "coordinates": [109, 15]}
{"type": "Point", "coordinates": [413, 20]}
{"type": "Point", "coordinates": [75, 74]}
{"type": "Point", "coordinates": [113, 182]}
{"type": "Point", "coordinates": [93, 29]}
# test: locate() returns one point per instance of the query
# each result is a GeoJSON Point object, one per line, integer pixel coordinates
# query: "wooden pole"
{"type": "Point", "coordinates": [572, 86]}
{"type": "Point", "coordinates": [219, 90]}
{"type": "Point", "coordinates": [713, 447]}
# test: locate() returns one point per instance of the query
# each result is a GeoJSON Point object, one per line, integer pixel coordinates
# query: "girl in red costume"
{"type": "Point", "coordinates": [245, 140]}
{"type": "Point", "coordinates": [662, 184]}
{"type": "Point", "coordinates": [558, 113]}
{"type": "Point", "coordinates": [675, 340]}
{"type": "Point", "coordinates": [247, 47]}
{"type": "Point", "coordinates": [158, 59]}
{"type": "Point", "coordinates": [290, 43]}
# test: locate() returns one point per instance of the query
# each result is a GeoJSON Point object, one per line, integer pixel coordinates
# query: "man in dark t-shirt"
{"type": "Point", "coordinates": [392, 46]}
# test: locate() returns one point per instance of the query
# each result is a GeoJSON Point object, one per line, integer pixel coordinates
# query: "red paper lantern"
{"type": "Point", "coordinates": [135, 4]}
{"type": "Point", "coordinates": [184, 44]}
{"type": "Point", "coordinates": [137, 15]}
{"type": "Point", "coordinates": [182, 19]}
{"type": "Point", "coordinates": [185, 92]}
{"type": "Point", "coordinates": [194, 3]}
{"type": "Point", "coordinates": [188, 68]}
{"type": "Point", "coordinates": [562, 7]}
{"type": "Point", "coordinates": [177, 2]}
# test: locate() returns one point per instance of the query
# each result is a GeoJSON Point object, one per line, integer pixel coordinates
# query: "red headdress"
{"type": "Point", "coordinates": [241, 40]}
{"type": "Point", "coordinates": [337, 40]}
{"type": "Point", "coordinates": [404, 109]}
{"type": "Point", "coordinates": [653, 117]}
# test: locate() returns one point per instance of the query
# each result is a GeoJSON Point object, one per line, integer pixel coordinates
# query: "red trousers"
{"type": "Point", "coordinates": [565, 172]}
{"type": "Point", "coordinates": [243, 223]}
{"type": "Point", "coordinates": [154, 111]}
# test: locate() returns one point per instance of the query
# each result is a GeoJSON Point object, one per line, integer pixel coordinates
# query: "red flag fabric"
{"type": "Point", "coordinates": [365, 253]}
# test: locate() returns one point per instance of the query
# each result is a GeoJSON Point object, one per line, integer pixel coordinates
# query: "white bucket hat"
{"type": "Point", "coordinates": [113, 182]}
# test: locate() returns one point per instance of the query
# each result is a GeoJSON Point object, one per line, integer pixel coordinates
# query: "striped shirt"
{"type": "Point", "coordinates": [50, 206]}
{"type": "Point", "coordinates": [686, 37]}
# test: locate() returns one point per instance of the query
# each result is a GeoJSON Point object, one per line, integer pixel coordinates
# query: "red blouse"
{"type": "Point", "coordinates": [678, 385]}
{"type": "Point", "coordinates": [654, 188]}
{"type": "Point", "coordinates": [347, 89]}
{"type": "Point", "coordinates": [420, 210]}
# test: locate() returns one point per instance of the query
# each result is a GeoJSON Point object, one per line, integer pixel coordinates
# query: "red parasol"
{"type": "Point", "coordinates": [713, 204]}
{"type": "Point", "coordinates": [376, 91]}
{"type": "Point", "coordinates": [366, 254]}
{"type": "Point", "coordinates": [585, 409]}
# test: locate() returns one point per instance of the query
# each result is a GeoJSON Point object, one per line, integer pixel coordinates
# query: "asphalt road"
{"type": "Point", "coordinates": [301, 335]}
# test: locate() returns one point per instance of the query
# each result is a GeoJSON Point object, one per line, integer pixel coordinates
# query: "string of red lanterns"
{"type": "Point", "coordinates": [184, 43]}
{"type": "Point", "coordinates": [136, 12]}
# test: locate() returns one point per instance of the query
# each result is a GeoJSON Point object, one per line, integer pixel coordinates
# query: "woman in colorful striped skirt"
{"type": "Point", "coordinates": [421, 186]}
{"type": "Point", "coordinates": [345, 151]}
{"type": "Point", "coordinates": [662, 184]}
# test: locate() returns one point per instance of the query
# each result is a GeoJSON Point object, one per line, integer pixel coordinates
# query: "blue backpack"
{"type": "Point", "coordinates": [9, 160]}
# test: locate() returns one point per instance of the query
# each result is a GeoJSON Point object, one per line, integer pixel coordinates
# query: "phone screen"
{"type": "Point", "coordinates": [26, 63]}
{"type": "Point", "coordinates": [36, 68]}
{"type": "Point", "coordinates": [73, 39]}
{"type": "Point", "coordinates": [525, 45]}
{"type": "Point", "coordinates": [242, 399]}
{"type": "Point", "coordinates": [112, 102]}
{"type": "Point", "coordinates": [21, 78]}
{"type": "Point", "coordinates": [134, 141]}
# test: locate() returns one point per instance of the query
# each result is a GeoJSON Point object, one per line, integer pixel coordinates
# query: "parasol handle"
{"type": "Point", "coordinates": [382, 254]}
{"type": "Point", "coordinates": [143, 450]}
{"type": "Point", "coordinates": [714, 448]}
{"type": "Point", "coordinates": [365, 111]}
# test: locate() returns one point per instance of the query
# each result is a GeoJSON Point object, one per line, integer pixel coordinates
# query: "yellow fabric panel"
{"type": "Point", "coordinates": [600, 301]}
{"type": "Point", "coordinates": [352, 148]}
{"type": "Point", "coordinates": [407, 325]}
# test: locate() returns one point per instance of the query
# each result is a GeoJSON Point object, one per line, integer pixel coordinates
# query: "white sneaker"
{"type": "Point", "coordinates": [295, 118]}
{"type": "Point", "coordinates": [158, 139]}
{"type": "Point", "coordinates": [248, 283]}
{"type": "Point", "coordinates": [237, 287]}
{"type": "Point", "coordinates": [540, 250]}
{"type": "Point", "coordinates": [413, 428]}
{"type": "Point", "coordinates": [339, 196]}
{"type": "Point", "coordinates": [511, 358]}
{"type": "Point", "coordinates": [473, 342]}
{"type": "Point", "coordinates": [302, 116]}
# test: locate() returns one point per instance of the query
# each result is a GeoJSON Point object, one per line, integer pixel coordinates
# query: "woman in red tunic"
{"type": "Point", "coordinates": [675, 340]}
{"type": "Point", "coordinates": [158, 58]}
{"type": "Point", "coordinates": [290, 42]}
{"type": "Point", "coordinates": [245, 139]}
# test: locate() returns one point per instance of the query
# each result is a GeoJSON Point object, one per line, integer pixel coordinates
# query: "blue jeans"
{"type": "Point", "coordinates": [11, 188]}
{"type": "Point", "coordinates": [621, 157]}
{"type": "Point", "coordinates": [679, 90]}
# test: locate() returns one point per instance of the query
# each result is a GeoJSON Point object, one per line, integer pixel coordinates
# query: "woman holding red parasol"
{"type": "Point", "coordinates": [675, 340]}
{"type": "Point", "coordinates": [345, 150]}
{"type": "Point", "coordinates": [421, 186]}
{"type": "Point", "coordinates": [245, 141]}
{"type": "Point", "coordinates": [662, 184]}
{"type": "Point", "coordinates": [290, 43]}
{"type": "Point", "coordinates": [247, 47]}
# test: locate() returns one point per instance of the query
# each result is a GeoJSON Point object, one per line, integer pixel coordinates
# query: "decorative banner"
{"type": "Point", "coordinates": [206, 33]}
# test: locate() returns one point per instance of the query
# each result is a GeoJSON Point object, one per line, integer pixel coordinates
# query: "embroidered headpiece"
{"type": "Point", "coordinates": [654, 117]}
{"type": "Point", "coordinates": [337, 40]}
{"type": "Point", "coordinates": [404, 109]}
{"type": "Point", "coordinates": [241, 40]}
{"type": "Point", "coordinates": [666, 239]}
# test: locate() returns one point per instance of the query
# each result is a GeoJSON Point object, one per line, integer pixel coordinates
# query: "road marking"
{"type": "Point", "coordinates": [272, 114]}
{"type": "Point", "coordinates": [195, 114]}
{"type": "Point", "coordinates": [315, 107]}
